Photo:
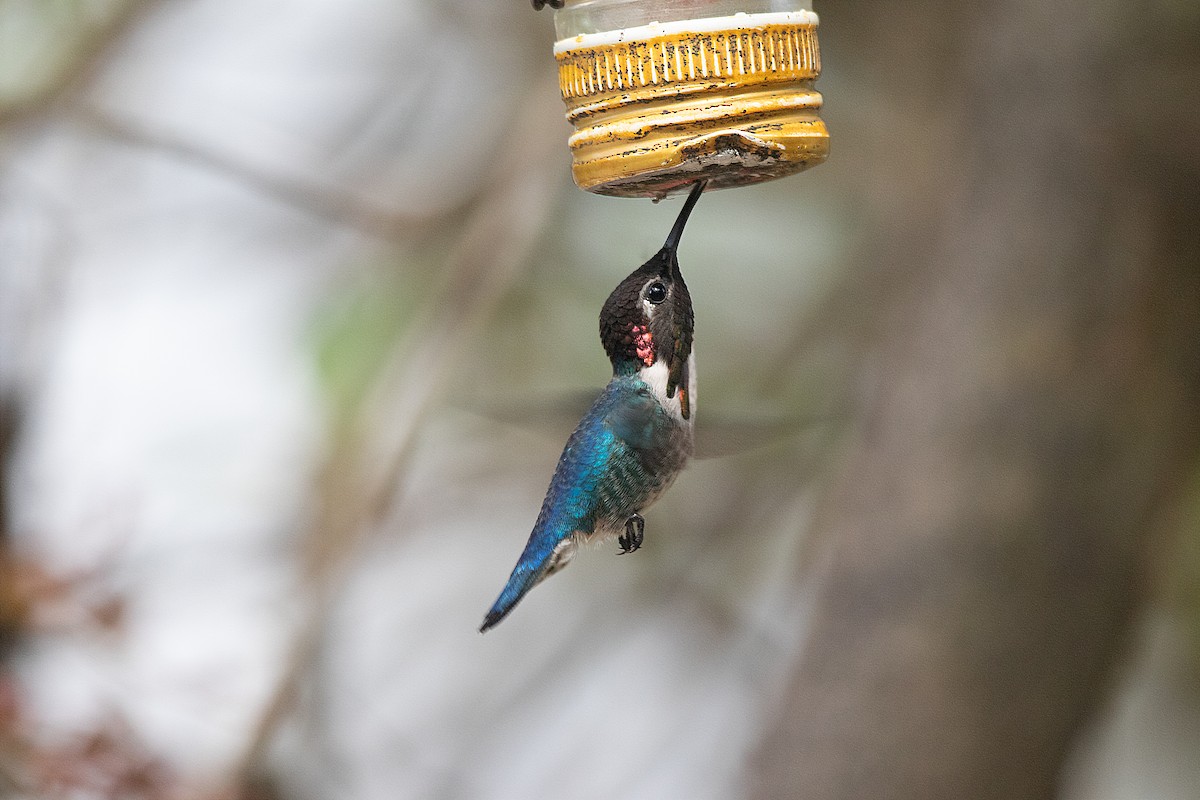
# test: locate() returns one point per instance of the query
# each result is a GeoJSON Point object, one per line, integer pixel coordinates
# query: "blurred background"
{"type": "Point", "coordinates": [291, 328]}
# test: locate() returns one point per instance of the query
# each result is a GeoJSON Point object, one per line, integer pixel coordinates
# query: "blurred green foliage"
{"type": "Point", "coordinates": [1183, 569]}
{"type": "Point", "coordinates": [354, 334]}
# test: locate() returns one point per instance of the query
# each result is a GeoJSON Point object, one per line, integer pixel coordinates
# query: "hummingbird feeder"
{"type": "Point", "coordinates": [663, 93]}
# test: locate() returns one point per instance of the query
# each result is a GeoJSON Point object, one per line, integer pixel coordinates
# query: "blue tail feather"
{"type": "Point", "coordinates": [524, 577]}
{"type": "Point", "coordinates": [541, 557]}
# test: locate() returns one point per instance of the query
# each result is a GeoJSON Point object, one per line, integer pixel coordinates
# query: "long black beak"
{"type": "Point", "coordinates": [672, 243]}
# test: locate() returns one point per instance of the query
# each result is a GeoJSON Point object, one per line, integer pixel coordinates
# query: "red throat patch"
{"type": "Point", "coordinates": [644, 343]}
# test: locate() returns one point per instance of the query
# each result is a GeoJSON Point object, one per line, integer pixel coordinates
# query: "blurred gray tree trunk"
{"type": "Point", "coordinates": [1034, 402]}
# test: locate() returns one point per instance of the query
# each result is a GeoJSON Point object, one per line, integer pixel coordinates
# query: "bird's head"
{"type": "Point", "coordinates": [648, 318]}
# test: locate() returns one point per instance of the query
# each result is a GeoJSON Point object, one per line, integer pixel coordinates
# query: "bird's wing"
{"type": "Point", "coordinates": [633, 416]}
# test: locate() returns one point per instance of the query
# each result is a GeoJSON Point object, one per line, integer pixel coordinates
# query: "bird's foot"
{"type": "Point", "coordinates": [635, 534]}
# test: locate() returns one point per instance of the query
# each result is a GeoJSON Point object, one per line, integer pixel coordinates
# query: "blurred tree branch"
{"type": "Point", "coordinates": [366, 468]}
{"type": "Point", "coordinates": [343, 207]}
{"type": "Point", "coordinates": [1032, 414]}
{"type": "Point", "coordinates": [73, 52]}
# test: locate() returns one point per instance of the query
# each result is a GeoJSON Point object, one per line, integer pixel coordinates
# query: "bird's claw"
{"type": "Point", "coordinates": [635, 534]}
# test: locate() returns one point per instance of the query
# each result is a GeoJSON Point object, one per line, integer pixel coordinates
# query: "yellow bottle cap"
{"type": "Point", "coordinates": [658, 106]}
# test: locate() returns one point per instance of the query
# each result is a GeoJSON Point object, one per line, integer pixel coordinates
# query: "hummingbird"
{"type": "Point", "coordinates": [638, 434]}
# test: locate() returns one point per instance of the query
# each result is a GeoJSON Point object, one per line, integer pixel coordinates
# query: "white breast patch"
{"type": "Point", "coordinates": [656, 376]}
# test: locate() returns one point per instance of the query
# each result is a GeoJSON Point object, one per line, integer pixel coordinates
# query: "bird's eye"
{"type": "Point", "coordinates": [656, 292]}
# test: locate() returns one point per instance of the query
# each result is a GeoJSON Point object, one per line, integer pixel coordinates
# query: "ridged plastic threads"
{"type": "Point", "coordinates": [777, 53]}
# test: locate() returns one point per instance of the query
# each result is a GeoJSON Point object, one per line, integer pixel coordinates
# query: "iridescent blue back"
{"type": "Point", "coordinates": [624, 453]}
